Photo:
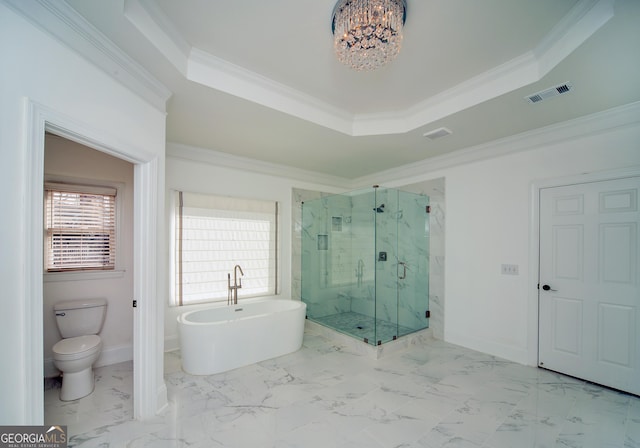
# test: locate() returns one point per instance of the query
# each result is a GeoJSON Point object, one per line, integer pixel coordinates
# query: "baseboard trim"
{"type": "Point", "coordinates": [115, 355]}
{"type": "Point", "coordinates": [171, 343]}
{"type": "Point", "coordinates": [108, 356]}
{"type": "Point", "coordinates": [50, 370]}
{"type": "Point", "coordinates": [515, 354]}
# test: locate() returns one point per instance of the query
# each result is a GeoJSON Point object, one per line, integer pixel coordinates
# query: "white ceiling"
{"type": "Point", "coordinates": [259, 79]}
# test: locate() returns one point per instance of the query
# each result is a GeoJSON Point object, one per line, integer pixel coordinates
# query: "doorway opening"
{"type": "Point", "coordinates": [70, 164]}
{"type": "Point", "coordinates": [149, 390]}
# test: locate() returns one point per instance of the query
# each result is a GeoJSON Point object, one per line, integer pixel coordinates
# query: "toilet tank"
{"type": "Point", "coordinates": [80, 317]}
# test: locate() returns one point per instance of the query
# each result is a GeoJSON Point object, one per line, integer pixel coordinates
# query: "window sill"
{"type": "Point", "coordinates": [222, 300]}
{"type": "Point", "coordinates": [86, 275]}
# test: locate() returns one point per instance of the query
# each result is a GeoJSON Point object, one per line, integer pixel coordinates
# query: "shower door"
{"type": "Point", "coordinates": [402, 265]}
{"type": "Point", "coordinates": [413, 262]}
{"type": "Point", "coordinates": [385, 211]}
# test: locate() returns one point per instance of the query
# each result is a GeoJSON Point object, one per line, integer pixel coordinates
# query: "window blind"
{"type": "Point", "coordinates": [213, 234]}
{"type": "Point", "coordinates": [80, 226]}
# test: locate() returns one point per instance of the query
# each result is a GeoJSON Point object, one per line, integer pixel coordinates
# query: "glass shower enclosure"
{"type": "Point", "coordinates": [365, 263]}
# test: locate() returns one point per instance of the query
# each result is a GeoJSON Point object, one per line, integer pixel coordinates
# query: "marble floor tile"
{"type": "Point", "coordinates": [326, 395]}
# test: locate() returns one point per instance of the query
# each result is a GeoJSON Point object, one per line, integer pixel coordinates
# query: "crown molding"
{"type": "Point", "coordinates": [584, 19]}
{"type": "Point", "coordinates": [159, 30]}
{"type": "Point", "coordinates": [226, 160]}
{"type": "Point", "coordinates": [211, 71]}
{"type": "Point", "coordinates": [509, 76]}
{"type": "Point", "coordinates": [594, 124]}
{"type": "Point", "coordinates": [598, 123]}
{"type": "Point", "coordinates": [204, 68]}
{"type": "Point", "coordinates": [66, 25]}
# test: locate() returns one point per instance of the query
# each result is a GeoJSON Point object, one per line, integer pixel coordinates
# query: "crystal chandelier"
{"type": "Point", "coordinates": [367, 34]}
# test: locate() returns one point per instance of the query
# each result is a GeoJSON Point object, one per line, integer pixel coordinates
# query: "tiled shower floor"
{"type": "Point", "coordinates": [361, 326]}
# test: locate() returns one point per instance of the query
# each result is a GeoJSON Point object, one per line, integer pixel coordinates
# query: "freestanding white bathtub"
{"type": "Point", "coordinates": [218, 339]}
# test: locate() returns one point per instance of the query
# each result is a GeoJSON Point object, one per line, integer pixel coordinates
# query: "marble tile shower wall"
{"type": "Point", "coordinates": [361, 294]}
{"type": "Point", "coordinates": [340, 257]}
{"type": "Point", "coordinates": [298, 196]}
{"type": "Point", "coordinates": [386, 237]}
{"type": "Point", "coordinates": [413, 249]}
{"type": "Point", "coordinates": [327, 268]}
{"type": "Point", "coordinates": [334, 293]}
{"type": "Point", "coordinates": [435, 189]}
{"type": "Point", "coordinates": [401, 234]}
{"type": "Point", "coordinates": [436, 265]}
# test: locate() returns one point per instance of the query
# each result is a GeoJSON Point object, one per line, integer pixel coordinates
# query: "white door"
{"type": "Point", "coordinates": [589, 324]}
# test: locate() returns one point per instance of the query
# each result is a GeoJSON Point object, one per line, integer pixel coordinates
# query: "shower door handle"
{"type": "Point", "coordinates": [404, 270]}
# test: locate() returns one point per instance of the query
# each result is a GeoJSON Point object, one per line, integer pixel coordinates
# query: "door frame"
{"type": "Point", "coordinates": [534, 243]}
{"type": "Point", "coordinates": [149, 389]}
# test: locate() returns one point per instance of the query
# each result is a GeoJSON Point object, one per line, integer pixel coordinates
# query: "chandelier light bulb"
{"type": "Point", "coordinates": [368, 33]}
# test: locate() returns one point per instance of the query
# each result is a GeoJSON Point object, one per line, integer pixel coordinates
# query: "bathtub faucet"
{"type": "Point", "coordinates": [232, 297]}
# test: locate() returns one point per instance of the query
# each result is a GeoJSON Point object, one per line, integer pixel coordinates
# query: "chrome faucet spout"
{"type": "Point", "coordinates": [233, 290]}
{"type": "Point", "coordinates": [235, 273]}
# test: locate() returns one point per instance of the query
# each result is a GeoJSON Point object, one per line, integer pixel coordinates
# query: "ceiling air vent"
{"type": "Point", "coordinates": [437, 133]}
{"type": "Point", "coordinates": [549, 93]}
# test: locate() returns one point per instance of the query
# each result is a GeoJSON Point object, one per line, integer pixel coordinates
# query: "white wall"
{"type": "Point", "coordinates": [488, 206]}
{"type": "Point", "coordinates": [488, 219]}
{"type": "Point", "coordinates": [489, 209]}
{"type": "Point", "coordinates": [36, 68]}
{"type": "Point", "coordinates": [206, 175]}
{"type": "Point", "coordinates": [66, 159]}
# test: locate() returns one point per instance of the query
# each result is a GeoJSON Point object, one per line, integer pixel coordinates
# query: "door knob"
{"type": "Point", "coordinates": [548, 288]}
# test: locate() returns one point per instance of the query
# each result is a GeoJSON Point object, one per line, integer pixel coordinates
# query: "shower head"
{"type": "Point", "coordinates": [379, 209]}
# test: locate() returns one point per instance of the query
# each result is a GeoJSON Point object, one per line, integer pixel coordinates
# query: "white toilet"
{"type": "Point", "coordinates": [79, 322]}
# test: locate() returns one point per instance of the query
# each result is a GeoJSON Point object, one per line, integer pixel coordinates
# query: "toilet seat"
{"type": "Point", "coordinates": [78, 347]}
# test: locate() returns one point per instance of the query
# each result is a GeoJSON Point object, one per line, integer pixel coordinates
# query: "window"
{"type": "Point", "coordinates": [212, 234]}
{"type": "Point", "coordinates": [80, 227]}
